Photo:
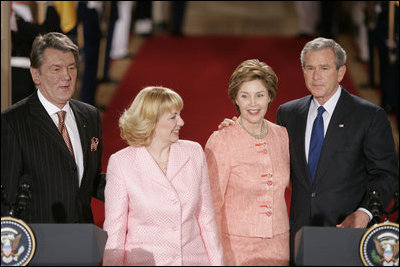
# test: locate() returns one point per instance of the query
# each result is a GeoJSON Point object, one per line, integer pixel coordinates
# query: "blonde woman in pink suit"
{"type": "Point", "coordinates": [249, 172]}
{"type": "Point", "coordinates": [158, 204]}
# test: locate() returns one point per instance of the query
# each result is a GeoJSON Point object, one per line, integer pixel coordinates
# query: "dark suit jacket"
{"type": "Point", "coordinates": [358, 152]}
{"type": "Point", "coordinates": [31, 144]}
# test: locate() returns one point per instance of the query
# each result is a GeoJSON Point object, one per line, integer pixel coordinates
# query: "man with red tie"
{"type": "Point", "coordinates": [62, 155]}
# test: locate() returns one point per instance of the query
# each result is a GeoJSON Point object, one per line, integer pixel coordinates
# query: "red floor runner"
{"type": "Point", "coordinates": [198, 68]}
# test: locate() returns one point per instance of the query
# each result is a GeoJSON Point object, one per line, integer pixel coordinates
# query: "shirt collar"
{"type": "Point", "coordinates": [330, 104]}
{"type": "Point", "coordinates": [51, 108]}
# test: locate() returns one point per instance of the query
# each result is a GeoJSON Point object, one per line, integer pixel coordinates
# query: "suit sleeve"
{"type": "Point", "coordinates": [116, 213]}
{"type": "Point", "coordinates": [219, 171]}
{"type": "Point", "coordinates": [279, 117]}
{"type": "Point", "coordinates": [380, 157]}
{"type": "Point", "coordinates": [206, 218]}
{"type": "Point", "coordinates": [11, 162]}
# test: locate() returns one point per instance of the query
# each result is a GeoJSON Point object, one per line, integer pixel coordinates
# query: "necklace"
{"type": "Point", "coordinates": [162, 162]}
{"type": "Point", "coordinates": [163, 165]}
{"type": "Point", "coordinates": [264, 129]}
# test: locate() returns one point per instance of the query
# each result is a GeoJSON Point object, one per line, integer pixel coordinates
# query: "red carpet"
{"type": "Point", "coordinates": [198, 68]}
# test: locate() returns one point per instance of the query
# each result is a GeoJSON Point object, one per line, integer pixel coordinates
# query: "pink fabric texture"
{"type": "Point", "coordinates": [256, 251]}
{"type": "Point", "coordinates": [157, 219]}
{"type": "Point", "coordinates": [248, 178]}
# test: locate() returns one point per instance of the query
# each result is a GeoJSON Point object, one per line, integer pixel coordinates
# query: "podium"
{"type": "Point", "coordinates": [328, 246]}
{"type": "Point", "coordinates": [68, 244]}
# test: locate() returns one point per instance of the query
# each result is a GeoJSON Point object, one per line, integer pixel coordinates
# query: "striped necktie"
{"type": "Point", "coordinates": [63, 130]}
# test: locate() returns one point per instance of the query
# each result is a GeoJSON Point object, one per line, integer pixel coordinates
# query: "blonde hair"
{"type": "Point", "coordinates": [250, 70]}
{"type": "Point", "coordinates": [138, 122]}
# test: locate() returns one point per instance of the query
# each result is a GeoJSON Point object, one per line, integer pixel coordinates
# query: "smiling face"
{"type": "Point", "coordinates": [253, 100]}
{"type": "Point", "coordinates": [168, 126]}
{"type": "Point", "coordinates": [320, 74]}
{"type": "Point", "coordinates": [56, 77]}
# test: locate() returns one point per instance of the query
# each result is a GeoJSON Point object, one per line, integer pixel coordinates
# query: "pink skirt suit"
{"type": "Point", "coordinates": [248, 178]}
{"type": "Point", "coordinates": [154, 218]}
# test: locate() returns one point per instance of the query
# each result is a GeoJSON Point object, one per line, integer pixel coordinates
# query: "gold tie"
{"type": "Point", "coordinates": [63, 130]}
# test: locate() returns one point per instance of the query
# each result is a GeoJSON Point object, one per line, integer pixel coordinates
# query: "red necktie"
{"type": "Point", "coordinates": [63, 130]}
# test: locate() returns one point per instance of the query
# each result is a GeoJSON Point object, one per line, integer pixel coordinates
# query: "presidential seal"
{"type": "Point", "coordinates": [380, 245]}
{"type": "Point", "coordinates": [18, 243]}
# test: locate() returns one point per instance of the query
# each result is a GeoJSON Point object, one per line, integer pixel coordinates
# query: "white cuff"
{"type": "Point", "coordinates": [367, 212]}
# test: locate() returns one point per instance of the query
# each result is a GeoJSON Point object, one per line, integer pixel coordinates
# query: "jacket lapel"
{"type": "Point", "coordinates": [334, 134]}
{"type": "Point", "coordinates": [82, 124]}
{"type": "Point", "coordinates": [301, 122]}
{"type": "Point", "coordinates": [149, 168]}
{"type": "Point", "coordinates": [177, 160]}
{"type": "Point", "coordinates": [47, 126]}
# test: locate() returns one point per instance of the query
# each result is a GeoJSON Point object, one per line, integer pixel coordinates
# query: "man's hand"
{"type": "Point", "coordinates": [227, 122]}
{"type": "Point", "coordinates": [357, 219]}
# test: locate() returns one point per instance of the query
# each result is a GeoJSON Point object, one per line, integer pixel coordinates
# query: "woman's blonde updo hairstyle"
{"type": "Point", "coordinates": [138, 122]}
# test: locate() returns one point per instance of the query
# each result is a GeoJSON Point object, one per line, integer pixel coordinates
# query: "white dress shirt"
{"type": "Point", "coordinates": [72, 129]}
{"type": "Point", "coordinates": [327, 115]}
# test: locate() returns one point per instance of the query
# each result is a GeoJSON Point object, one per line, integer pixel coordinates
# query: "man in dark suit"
{"type": "Point", "coordinates": [62, 180]}
{"type": "Point", "coordinates": [357, 154]}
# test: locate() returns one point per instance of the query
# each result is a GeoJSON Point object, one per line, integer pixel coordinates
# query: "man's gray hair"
{"type": "Point", "coordinates": [322, 43]}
